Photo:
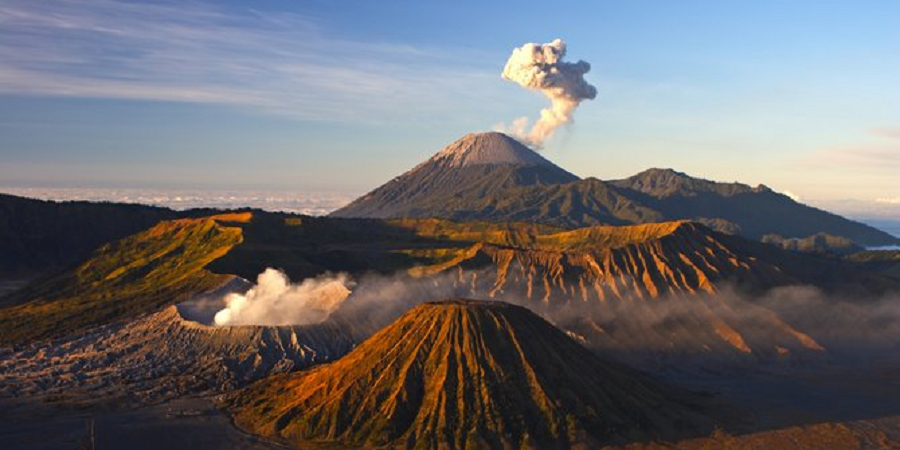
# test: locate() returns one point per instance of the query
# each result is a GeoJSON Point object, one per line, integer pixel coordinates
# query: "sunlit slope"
{"type": "Point", "coordinates": [613, 286]}
{"type": "Point", "coordinates": [640, 291]}
{"type": "Point", "coordinates": [465, 374]}
{"type": "Point", "coordinates": [640, 261]}
{"type": "Point", "coordinates": [308, 246]}
{"type": "Point", "coordinates": [135, 275]}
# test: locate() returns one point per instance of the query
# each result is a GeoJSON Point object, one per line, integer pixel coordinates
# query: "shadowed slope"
{"type": "Point", "coordinates": [490, 176]}
{"type": "Point", "coordinates": [138, 274]}
{"type": "Point", "coordinates": [38, 236]}
{"type": "Point", "coordinates": [466, 171]}
{"type": "Point", "coordinates": [465, 374]}
{"type": "Point", "coordinates": [758, 211]}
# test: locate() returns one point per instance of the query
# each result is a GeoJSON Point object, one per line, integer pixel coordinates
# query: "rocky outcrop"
{"type": "Point", "coordinates": [161, 356]}
{"type": "Point", "coordinates": [653, 294]}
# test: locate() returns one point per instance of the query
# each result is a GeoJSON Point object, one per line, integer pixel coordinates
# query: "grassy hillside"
{"type": "Point", "coordinates": [135, 275]}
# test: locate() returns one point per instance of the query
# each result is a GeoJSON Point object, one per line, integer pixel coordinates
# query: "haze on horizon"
{"type": "Point", "coordinates": [306, 96]}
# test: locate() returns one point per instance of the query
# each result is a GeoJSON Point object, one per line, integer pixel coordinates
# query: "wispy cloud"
{"type": "Point", "coordinates": [190, 52]}
{"type": "Point", "coordinates": [879, 154]}
{"type": "Point", "coordinates": [890, 133]}
{"type": "Point", "coordinates": [313, 203]}
{"type": "Point", "coordinates": [872, 156]}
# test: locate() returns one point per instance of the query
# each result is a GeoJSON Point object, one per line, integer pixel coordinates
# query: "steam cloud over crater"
{"type": "Point", "coordinates": [275, 301]}
{"type": "Point", "coordinates": [541, 67]}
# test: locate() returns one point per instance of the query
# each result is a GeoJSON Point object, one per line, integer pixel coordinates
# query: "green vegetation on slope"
{"type": "Point", "coordinates": [308, 246]}
{"type": "Point", "coordinates": [135, 275]}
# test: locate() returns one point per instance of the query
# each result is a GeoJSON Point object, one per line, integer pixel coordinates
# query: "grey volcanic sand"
{"type": "Point", "coordinates": [189, 423]}
{"type": "Point", "coordinates": [9, 285]}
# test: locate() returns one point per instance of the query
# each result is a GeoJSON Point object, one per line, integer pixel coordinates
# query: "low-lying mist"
{"type": "Point", "coordinates": [790, 319]}
{"type": "Point", "coordinates": [842, 321]}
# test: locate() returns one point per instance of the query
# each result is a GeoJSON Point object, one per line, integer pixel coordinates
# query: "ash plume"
{"type": "Point", "coordinates": [540, 67]}
{"type": "Point", "coordinates": [276, 301]}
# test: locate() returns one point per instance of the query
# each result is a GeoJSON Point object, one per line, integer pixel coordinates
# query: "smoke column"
{"type": "Point", "coordinates": [541, 67]}
{"type": "Point", "coordinates": [275, 301]}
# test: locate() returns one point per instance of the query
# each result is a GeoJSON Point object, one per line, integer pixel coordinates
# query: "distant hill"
{"type": "Point", "coordinates": [37, 236]}
{"type": "Point", "coordinates": [490, 176]}
{"type": "Point", "coordinates": [818, 243]}
{"type": "Point", "coordinates": [758, 211]}
{"type": "Point", "coordinates": [466, 374]}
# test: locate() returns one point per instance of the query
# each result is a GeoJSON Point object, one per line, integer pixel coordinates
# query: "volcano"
{"type": "Point", "coordinates": [491, 176]}
{"type": "Point", "coordinates": [466, 374]}
{"type": "Point", "coordinates": [464, 172]}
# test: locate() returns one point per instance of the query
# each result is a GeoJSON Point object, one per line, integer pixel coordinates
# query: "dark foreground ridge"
{"type": "Point", "coordinates": [466, 374]}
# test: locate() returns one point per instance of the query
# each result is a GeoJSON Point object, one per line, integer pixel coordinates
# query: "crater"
{"type": "Point", "coordinates": [202, 309]}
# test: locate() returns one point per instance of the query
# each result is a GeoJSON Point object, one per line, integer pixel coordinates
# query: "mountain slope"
{"type": "Point", "coordinates": [469, 169]}
{"type": "Point", "coordinates": [492, 177]}
{"type": "Point", "coordinates": [608, 285]}
{"type": "Point", "coordinates": [651, 294]}
{"type": "Point", "coordinates": [465, 374]}
{"type": "Point", "coordinates": [158, 356]}
{"type": "Point", "coordinates": [136, 275]}
{"type": "Point", "coordinates": [758, 211]}
{"type": "Point", "coordinates": [576, 204]}
{"type": "Point", "coordinates": [39, 236]}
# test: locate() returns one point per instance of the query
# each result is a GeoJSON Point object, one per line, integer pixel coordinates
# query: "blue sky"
{"type": "Point", "coordinates": [341, 96]}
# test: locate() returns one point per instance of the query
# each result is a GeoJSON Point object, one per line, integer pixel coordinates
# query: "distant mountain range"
{"type": "Point", "coordinates": [491, 176]}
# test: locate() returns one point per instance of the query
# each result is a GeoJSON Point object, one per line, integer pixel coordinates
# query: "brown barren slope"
{"type": "Point", "coordinates": [465, 374]}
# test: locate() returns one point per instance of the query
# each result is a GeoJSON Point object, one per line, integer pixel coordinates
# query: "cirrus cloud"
{"type": "Point", "coordinates": [280, 63]}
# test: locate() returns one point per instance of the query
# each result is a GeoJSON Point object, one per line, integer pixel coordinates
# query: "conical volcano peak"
{"type": "Point", "coordinates": [471, 170]}
{"type": "Point", "coordinates": [489, 148]}
{"type": "Point", "coordinates": [466, 374]}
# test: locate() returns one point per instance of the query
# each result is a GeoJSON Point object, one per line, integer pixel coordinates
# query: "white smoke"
{"type": "Point", "coordinates": [541, 67]}
{"type": "Point", "coordinates": [275, 301]}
